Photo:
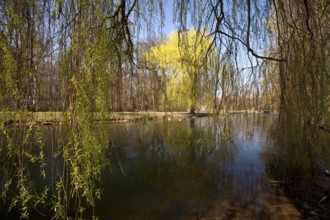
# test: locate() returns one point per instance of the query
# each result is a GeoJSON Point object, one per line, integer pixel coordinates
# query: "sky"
{"type": "Point", "coordinates": [168, 27]}
{"type": "Point", "coordinates": [168, 10]}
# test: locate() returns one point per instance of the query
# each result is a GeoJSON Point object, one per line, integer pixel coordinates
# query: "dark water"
{"type": "Point", "coordinates": [178, 169]}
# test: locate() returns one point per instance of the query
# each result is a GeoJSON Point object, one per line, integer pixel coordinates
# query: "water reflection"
{"type": "Point", "coordinates": [296, 164]}
{"type": "Point", "coordinates": [193, 168]}
{"type": "Point", "coordinates": [179, 169]}
{"type": "Point", "coordinates": [50, 171]}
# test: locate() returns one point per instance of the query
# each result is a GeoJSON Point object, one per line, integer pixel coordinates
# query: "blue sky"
{"type": "Point", "coordinates": [168, 10]}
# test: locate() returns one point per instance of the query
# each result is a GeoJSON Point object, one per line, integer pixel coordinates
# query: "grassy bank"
{"type": "Point", "coordinates": [48, 118]}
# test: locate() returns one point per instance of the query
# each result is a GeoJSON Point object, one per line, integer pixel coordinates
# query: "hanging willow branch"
{"type": "Point", "coordinates": [217, 30]}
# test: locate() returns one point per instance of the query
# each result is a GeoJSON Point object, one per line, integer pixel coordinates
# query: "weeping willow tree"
{"type": "Point", "coordinates": [243, 44]}
{"type": "Point", "coordinates": [53, 50]}
{"type": "Point", "coordinates": [289, 40]}
{"type": "Point", "coordinates": [81, 57]}
{"type": "Point", "coordinates": [69, 56]}
{"type": "Point", "coordinates": [303, 39]}
{"type": "Point", "coordinates": [185, 65]}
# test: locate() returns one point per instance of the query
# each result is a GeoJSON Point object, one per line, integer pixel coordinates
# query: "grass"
{"type": "Point", "coordinates": [30, 116]}
{"type": "Point", "coordinates": [47, 118]}
{"type": "Point", "coordinates": [59, 117]}
{"type": "Point", "coordinates": [249, 111]}
{"type": "Point", "coordinates": [24, 116]}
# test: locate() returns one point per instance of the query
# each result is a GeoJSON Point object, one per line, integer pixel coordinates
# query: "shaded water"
{"type": "Point", "coordinates": [223, 168]}
{"type": "Point", "coordinates": [178, 169]}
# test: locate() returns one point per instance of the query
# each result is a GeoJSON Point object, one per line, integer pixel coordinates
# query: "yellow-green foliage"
{"type": "Point", "coordinates": [183, 59]}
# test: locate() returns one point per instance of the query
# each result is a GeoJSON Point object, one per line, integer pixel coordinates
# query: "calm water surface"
{"type": "Point", "coordinates": [225, 168]}
{"type": "Point", "coordinates": [178, 169]}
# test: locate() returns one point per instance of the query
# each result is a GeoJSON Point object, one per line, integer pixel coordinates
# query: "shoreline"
{"type": "Point", "coordinates": [58, 118]}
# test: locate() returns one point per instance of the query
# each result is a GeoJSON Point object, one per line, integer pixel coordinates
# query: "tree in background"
{"type": "Point", "coordinates": [183, 60]}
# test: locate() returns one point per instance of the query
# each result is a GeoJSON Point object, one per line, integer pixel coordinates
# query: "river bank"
{"type": "Point", "coordinates": [53, 118]}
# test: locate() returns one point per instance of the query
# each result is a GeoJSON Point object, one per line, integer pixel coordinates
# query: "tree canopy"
{"type": "Point", "coordinates": [82, 55]}
{"type": "Point", "coordinates": [184, 65]}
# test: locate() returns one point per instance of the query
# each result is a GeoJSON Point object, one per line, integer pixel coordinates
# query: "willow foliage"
{"type": "Point", "coordinates": [82, 59]}
{"type": "Point", "coordinates": [184, 65]}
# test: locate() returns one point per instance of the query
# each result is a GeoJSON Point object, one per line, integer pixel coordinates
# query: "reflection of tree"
{"type": "Point", "coordinates": [243, 186]}
{"type": "Point", "coordinates": [172, 152]}
{"type": "Point", "coordinates": [22, 153]}
{"type": "Point", "coordinates": [297, 152]}
{"type": "Point", "coordinates": [295, 160]}
{"type": "Point", "coordinates": [56, 180]}
{"type": "Point", "coordinates": [181, 161]}
{"type": "Point", "coordinates": [184, 161]}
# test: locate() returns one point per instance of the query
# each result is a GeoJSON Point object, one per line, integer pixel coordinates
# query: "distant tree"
{"type": "Point", "coordinates": [183, 59]}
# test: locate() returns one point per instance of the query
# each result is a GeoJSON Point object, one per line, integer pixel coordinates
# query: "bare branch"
{"type": "Point", "coordinates": [248, 48]}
